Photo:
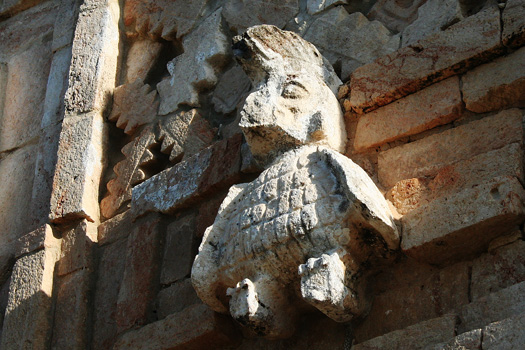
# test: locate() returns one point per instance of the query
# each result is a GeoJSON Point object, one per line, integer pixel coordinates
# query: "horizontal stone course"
{"type": "Point", "coordinates": [426, 157]}
{"type": "Point", "coordinates": [196, 327]}
{"type": "Point", "coordinates": [458, 226]}
{"type": "Point", "coordinates": [496, 85]}
{"type": "Point", "coordinates": [464, 45]}
{"type": "Point", "coordinates": [215, 167]}
{"type": "Point", "coordinates": [436, 105]}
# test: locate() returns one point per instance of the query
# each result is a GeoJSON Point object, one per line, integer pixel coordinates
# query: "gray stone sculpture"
{"type": "Point", "coordinates": [313, 222]}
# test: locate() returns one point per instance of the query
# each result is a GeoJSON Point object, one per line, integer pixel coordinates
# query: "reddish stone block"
{"type": "Point", "coordinates": [436, 105]}
{"type": "Point", "coordinates": [464, 45]}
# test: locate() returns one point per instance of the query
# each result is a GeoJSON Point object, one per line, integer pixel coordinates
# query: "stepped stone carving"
{"type": "Point", "coordinates": [313, 222]}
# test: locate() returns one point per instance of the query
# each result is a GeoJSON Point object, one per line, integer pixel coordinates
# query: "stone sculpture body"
{"type": "Point", "coordinates": [313, 221]}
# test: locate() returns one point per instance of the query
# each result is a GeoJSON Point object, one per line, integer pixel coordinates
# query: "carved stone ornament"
{"type": "Point", "coordinates": [311, 225]}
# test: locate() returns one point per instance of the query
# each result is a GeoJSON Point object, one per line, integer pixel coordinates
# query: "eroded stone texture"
{"type": "Point", "coordinates": [207, 49]}
{"type": "Point", "coordinates": [134, 105]}
{"type": "Point", "coordinates": [232, 87]}
{"type": "Point", "coordinates": [350, 40]}
{"type": "Point", "coordinates": [165, 19]}
{"type": "Point", "coordinates": [432, 16]}
{"type": "Point", "coordinates": [293, 102]}
{"type": "Point", "coordinates": [176, 298]}
{"type": "Point", "coordinates": [184, 134]}
{"type": "Point", "coordinates": [128, 172]}
{"type": "Point", "coordinates": [42, 237]}
{"type": "Point", "coordinates": [241, 14]}
{"type": "Point", "coordinates": [94, 58]}
{"type": "Point", "coordinates": [316, 6]}
{"type": "Point", "coordinates": [464, 45]}
{"type": "Point", "coordinates": [417, 336]}
{"type": "Point", "coordinates": [287, 215]}
{"type": "Point", "coordinates": [178, 331]}
{"type": "Point", "coordinates": [10, 7]}
{"type": "Point", "coordinates": [141, 57]}
{"type": "Point", "coordinates": [466, 341]}
{"type": "Point", "coordinates": [78, 169]}
{"type": "Point", "coordinates": [215, 167]}
{"type": "Point", "coordinates": [496, 85]}
{"type": "Point", "coordinates": [436, 105]}
{"type": "Point", "coordinates": [484, 212]}
{"type": "Point", "coordinates": [506, 334]}
{"type": "Point", "coordinates": [77, 244]}
{"type": "Point", "coordinates": [494, 307]}
{"type": "Point", "coordinates": [426, 157]}
{"type": "Point", "coordinates": [513, 26]}
{"type": "Point", "coordinates": [396, 15]}
{"type": "Point", "coordinates": [27, 322]}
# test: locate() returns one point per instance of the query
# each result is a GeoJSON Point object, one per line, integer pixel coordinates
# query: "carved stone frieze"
{"type": "Point", "coordinates": [313, 224]}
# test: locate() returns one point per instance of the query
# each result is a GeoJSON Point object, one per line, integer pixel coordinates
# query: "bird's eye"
{"type": "Point", "coordinates": [294, 89]}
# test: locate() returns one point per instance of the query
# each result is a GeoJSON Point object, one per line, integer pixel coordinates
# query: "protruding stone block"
{"type": "Point", "coordinates": [496, 85]}
{"type": "Point", "coordinates": [77, 244]}
{"type": "Point", "coordinates": [460, 47]}
{"type": "Point", "coordinates": [436, 105]}
{"type": "Point", "coordinates": [141, 57]}
{"type": "Point", "coordinates": [213, 331]}
{"type": "Point", "coordinates": [506, 334]}
{"type": "Point", "coordinates": [176, 297]}
{"type": "Point", "coordinates": [426, 157]}
{"type": "Point", "coordinates": [78, 169]}
{"type": "Point", "coordinates": [217, 166]}
{"type": "Point", "coordinates": [42, 237]}
{"type": "Point", "coordinates": [482, 213]}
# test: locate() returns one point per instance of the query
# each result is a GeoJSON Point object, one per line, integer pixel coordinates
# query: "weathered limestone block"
{"type": "Point", "coordinates": [293, 102]}
{"type": "Point", "coordinates": [27, 76]}
{"type": "Point", "coordinates": [176, 298]}
{"type": "Point", "coordinates": [481, 214]}
{"type": "Point", "coordinates": [28, 317]}
{"type": "Point", "coordinates": [141, 57]}
{"type": "Point", "coordinates": [165, 19]}
{"type": "Point", "coordinates": [513, 25]}
{"type": "Point", "coordinates": [496, 85]}
{"type": "Point", "coordinates": [418, 336]}
{"type": "Point", "coordinates": [436, 105]}
{"type": "Point", "coordinates": [232, 87]}
{"type": "Point", "coordinates": [16, 176]}
{"type": "Point", "coordinates": [128, 172]}
{"type": "Point", "coordinates": [180, 249]}
{"type": "Point", "coordinates": [178, 331]}
{"type": "Point", "coordinates": [466, 341]}
{"type": "Point", "coordinates": [78, 169]}
{"type": "Point", "coordinates": [498, 269]}
{"type": "Point", "coordinates": [184, 134]}
{"type": "Point", "coordinates": [134, 105]}
{"type": "Point", "coordinates": [506, 334]}
{"type": "Point", "coordinates": [312, 219]}
{"type": "Point", "coordinates": [432, 16]}
{"type": "Point", "coordinates": [206, 50]}
{"type": "Point", "coordinates": [42, 237]}
{"type": "Point", "coordinates": [289, 214]}
{"type": "Point", "coordinates": [110, 273]}
{"type": "Point", "coordinates": [350, 40]}
{"type": "Point", "coordinates": [94, 58]}
{"type": "Point", "coordinates": [494, 307]}
{"type": "Point", "coordinates": [408, 194]}
{"type": "Point", "coordinates": [215, 167]}
{"type": "Point", "coordinates": [72, 299]}
{"type": "Point", "coordinates": [77, 245]}
{"type": "Point", "coordinates": [395, 15]}
{"type": "Point", "coordinates": [137, 286]}
{"type": "Point", "coordinates": [315, 6]}
{"type": "Point", "coordinates": [241, 14]}
{"type": "Point", "coordinates": [115, 229]}
{"type": "Point", "coordinates": [65, 24]}
{"type": "Point", "coordinates": [460, 47]}
{"type": "Point", "coordinates": [428, 156]}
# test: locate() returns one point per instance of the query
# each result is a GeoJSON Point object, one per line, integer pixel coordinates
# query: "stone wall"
{"type": "Point", "coordinates": [119, 139]}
